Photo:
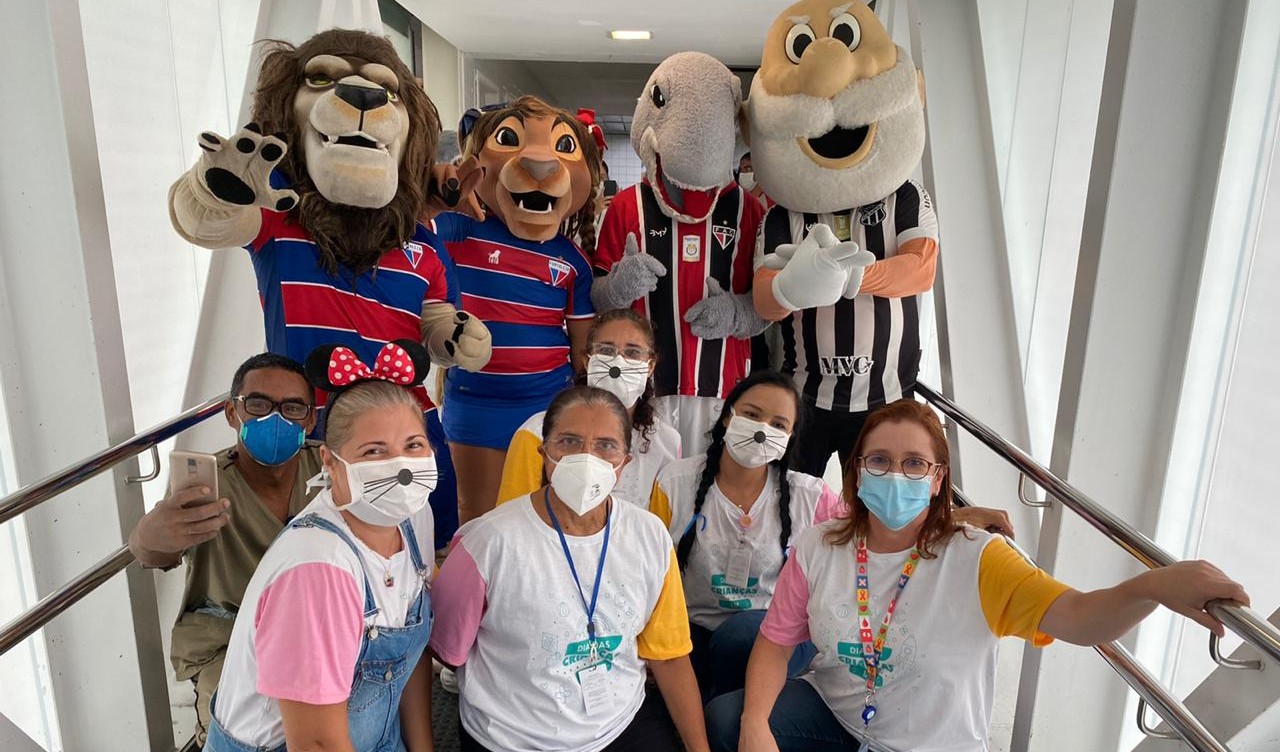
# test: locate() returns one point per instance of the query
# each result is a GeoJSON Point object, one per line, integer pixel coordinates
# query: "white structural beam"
{"type": "Point", "coordinates": [1159, 141]}
{"type": "Point", "coordinates": [977, 333]}
{"type": "Point", "coordinates": [65, 386]}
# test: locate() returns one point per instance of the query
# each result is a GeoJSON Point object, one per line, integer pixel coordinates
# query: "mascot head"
{"type": "Point", "coordinates": [684, 130]}
{"type": "Point", "coordinates": [362, 136]}
{"type": "Point", "coordinates": [835, 118]}
{"type": "Point", "coordinates": [541, 168]}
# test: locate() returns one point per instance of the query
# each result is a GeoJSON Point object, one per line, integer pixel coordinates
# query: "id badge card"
{"type": "Point", "coordinates": [738, 572]}
{"type": "Point", "coordinates": [594, 683]}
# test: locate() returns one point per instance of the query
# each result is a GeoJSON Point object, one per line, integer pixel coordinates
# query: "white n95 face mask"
{"type": "Point", "coordinates": [388, 492]}
{"type": "Point", "coordinates": [625, 379]}
{"type": "Point", "coordinates": [754, 444]}
{"type": "Point", "coordinates": [747, 179]}
{"type": "Point", "coordinates": [583, 481]}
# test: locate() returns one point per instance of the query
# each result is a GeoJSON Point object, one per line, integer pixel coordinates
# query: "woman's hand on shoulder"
{"type": "Point", "coordinates": [984, 518]}
{"type": "Point", "coordinates": [1187, 587]}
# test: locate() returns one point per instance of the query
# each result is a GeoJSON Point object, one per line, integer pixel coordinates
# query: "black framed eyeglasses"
{"type": "Point", "coordinates": [914, 468]}
{"type": "Point", "coordinates": [260, 407]}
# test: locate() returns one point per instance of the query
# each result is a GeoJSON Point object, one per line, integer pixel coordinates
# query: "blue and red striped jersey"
{"type": "Point", "coordinates": [524, 292]}
{"type": "Point", "coordinates": [304, 306]}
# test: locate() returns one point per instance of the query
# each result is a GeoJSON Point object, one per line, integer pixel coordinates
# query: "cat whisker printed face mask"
{"type": "Point", "coordinates": [623, 377]}
{"type": "Point", "coordinates": [388, 492]}
{"type": "Point", "coordinates": [754, 444]}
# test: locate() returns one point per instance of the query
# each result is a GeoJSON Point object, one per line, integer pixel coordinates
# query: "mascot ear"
{"type": "Point", "coordinates": [872, 5]}
{"type": "Point", "coordinates": [317, 368]}
{"type": "Point", "coordinates": [418, 354]}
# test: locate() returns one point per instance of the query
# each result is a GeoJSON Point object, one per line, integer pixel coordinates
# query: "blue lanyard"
{"type": "Point", "coordinates": [604, 551]}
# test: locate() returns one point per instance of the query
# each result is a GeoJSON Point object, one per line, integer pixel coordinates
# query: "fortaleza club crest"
{"type": "Point", "coordinates": [559, 271]}
{"type": "Point", "coordinates": [413, 252]}
{"type": "Point", "coordinates": [724, 235]}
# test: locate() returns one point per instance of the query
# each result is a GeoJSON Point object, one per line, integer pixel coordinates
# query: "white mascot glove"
{"type": "Point", "coordinates": [818, 271]}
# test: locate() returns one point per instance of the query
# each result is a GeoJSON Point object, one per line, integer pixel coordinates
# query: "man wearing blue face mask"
{"type": "Point", "coordinates": [262, 481]}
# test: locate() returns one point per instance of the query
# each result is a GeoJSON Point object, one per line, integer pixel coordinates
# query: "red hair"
{"type": "Point", "coordinates": [938, 524]}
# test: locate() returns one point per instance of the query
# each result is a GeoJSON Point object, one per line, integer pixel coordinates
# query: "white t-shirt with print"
{"type": "Point", "coordinates": [511, 618]}
{"type": "Point", "coordinates": [301, 622]}
{"type": "Point", "coordinates": [710, 592]}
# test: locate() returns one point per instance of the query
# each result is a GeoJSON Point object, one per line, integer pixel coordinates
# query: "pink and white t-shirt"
{"type": "Point", "coordinates": [298, 634]}
{"type": "Point", "coordinates": [712, 593]}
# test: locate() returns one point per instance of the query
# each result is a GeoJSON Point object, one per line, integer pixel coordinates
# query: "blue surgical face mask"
{"type": "Point", "coordinates": [894, 498]}
{"type": "Point", "coordinates": [272, 439]}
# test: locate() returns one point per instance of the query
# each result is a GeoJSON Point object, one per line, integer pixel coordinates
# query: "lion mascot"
{"type": "Point", "coordinates": [536, 170]}
{"type": "Point", "coordinates": [323, 189]}
{"type": "Point", "coordinates": [836, 127]}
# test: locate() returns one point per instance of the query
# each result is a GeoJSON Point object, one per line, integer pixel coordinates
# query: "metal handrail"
{"type": "Point", "coordinates": [63, 598]}
{"type": "Point", "coordinates": [1242, 620]}
{"type": "Point", "coordinates": [37, 493]}
{"type": "Point", "coordinates": [1180, 719]}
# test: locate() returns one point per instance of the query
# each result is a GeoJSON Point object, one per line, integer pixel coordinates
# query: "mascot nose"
{"type": "Point", "coordinates": [825, 70]}
{"type": "Point", "coordinates": [362, 98]}
{"type": "Point", "coordinates": [540, 169]}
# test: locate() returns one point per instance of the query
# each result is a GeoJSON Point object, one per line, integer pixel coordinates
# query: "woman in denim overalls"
{"type": "Point", "coordinates": [285, 681]}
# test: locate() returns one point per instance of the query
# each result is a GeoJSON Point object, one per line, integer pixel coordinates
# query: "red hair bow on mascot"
{"type": "Point", "coordinates": [323, 189]}
{"type": "Point", "coordinates": [518, 270]}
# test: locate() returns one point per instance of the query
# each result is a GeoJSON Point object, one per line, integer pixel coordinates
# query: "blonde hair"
{"type": "Point", "coordinates": [354, 401]}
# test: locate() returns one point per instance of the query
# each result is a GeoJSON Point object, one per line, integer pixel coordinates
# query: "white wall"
{"type": "Point", "coordinates": [442, 75]}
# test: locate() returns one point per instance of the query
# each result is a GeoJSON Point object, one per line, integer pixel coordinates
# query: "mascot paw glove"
{"type": "Point", "coordinates": [721, 315]}
{"type": "Point", "coordinates": [455, 338]}
{"type": "Point", "coordinates": [816, 272]}
{"type": "Point", "coordinates": [632, 277]}
{"type": "Point", "coordinates": [237, 171]}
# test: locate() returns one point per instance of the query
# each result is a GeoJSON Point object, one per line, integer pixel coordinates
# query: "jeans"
{"type": "Point", "coordinates": [720, 655]}
{"type": "Point", "coordinates": [800, 721]}
{"type": "Point", "coordinates": [652, 730]}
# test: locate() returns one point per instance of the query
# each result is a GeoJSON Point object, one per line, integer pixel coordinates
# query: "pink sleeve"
{"type": "Point", "coordinates": [787, 622]}
{"type": "Point", "coordinates": [458, 599]}
{"type": "Point", "coordinates": [830, 506]}
{"type": "Point", "coordinates": [308, 631]}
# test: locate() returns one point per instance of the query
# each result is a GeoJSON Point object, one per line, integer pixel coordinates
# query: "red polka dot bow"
{"type": "Point", "coordinates": [391, 364]}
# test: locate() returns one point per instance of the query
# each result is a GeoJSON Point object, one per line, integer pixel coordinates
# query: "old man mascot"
{"type": "Point", "coordinates": [324, 189]}
{"type": "Point", "coordinates": [836, 127]}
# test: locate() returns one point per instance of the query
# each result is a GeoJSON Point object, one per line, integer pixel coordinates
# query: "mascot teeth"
{"type": "Point", "coordinates": [353, 139]}
{"type": "Point", "coordinates": [534, 201]}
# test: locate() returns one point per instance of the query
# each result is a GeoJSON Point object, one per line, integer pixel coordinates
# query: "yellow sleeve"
{"type": "Point", "coordinates": [660, 505]}
{"type": "Point", "coordinates": [1015, 594]}
{"type": "Point", "coordinates": [522, 471]}
{"type": "Point", "coordinates": [666, 636]}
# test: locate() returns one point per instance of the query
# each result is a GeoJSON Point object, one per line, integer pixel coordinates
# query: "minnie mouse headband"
{"type": "Point", "coordinates": [402, 362]}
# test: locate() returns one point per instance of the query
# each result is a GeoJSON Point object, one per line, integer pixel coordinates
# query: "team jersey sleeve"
{"type": "Point", "coordinates": [775, 230]}
{"type": "Point", "coordinates": [307, 632]}
{"type": "Point", "coordinates": [452, 227]}
{"type": "Point", "coordinates": [459, 601]}
{"type": "Point", "coordinates": [580, 306]}
{"type": "Point", "coordinates": [269, 229]}
{"type": "Point", "coordinates": [912, 269]}
{"type": "Point", "coordinates": [439, 289]}
{"type": "Point", "coordinates": [612, 238]}
{"type": "Point", "coordinates": [666, 635]}
{"type": "Point", "coordinates": [522, 470]}
{"type": "Point", "coordinates": [660, 503]}
{"type": "Point", "coordinates": [787, 621]}
{"type": "Point", "coordinates": [744, 260]}
{"type": "Point", "coordinates": [1015, 594]}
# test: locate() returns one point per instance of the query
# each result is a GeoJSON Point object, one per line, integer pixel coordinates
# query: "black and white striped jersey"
{"type": "Point", "coordinates": [860, 353]}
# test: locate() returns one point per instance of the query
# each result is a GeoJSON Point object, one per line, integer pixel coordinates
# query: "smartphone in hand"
{"type": "Point", "coordinates": [187, 469]}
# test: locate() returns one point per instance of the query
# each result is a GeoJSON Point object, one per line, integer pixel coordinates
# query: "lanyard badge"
{"type": "Point", "coordinates": [873, 647]}
{"type": "Point", "coordinates": [590, 608]}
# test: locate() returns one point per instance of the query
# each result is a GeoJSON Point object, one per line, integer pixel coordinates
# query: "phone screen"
{"type": "Point", "coordinates": [610, 187]}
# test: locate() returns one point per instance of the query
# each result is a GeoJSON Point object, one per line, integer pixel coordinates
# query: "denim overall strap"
{"type": "Point", "coordinates": [315, 520]}
{"type": "Point", "coordinates": [411, 540]}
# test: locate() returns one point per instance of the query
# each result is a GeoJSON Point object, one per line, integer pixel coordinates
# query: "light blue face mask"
{"type": "Point", "coordinates": [894, 498]}
{"type": "Point", "coordinates": [272, 439]}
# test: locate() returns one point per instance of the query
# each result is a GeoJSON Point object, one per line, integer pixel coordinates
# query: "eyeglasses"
{"type": "Point", "coordinates": [914, 468]}
{"type": "Point", "coordinates": [608, 450]}
{"type": "Point", "coordinates": [630, 352]}
{"type": "Point", "coordinates": [260, 407]}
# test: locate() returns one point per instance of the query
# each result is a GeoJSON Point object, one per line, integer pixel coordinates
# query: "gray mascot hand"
{"type": "Point", "coordinates": [817, 271]}
{"type": "Point", "coordinates": [237, 170]}
{"type": "Point", "coordinates": [721, 315]}
{"type": "Point", "coordinates": [634, 276]}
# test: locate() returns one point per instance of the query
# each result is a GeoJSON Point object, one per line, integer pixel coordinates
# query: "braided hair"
{"type": "Point", "coordinates": [716, 451]}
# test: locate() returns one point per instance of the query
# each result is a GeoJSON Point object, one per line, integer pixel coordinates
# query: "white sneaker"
{"type": "Point", "coordinates": [449, 680]}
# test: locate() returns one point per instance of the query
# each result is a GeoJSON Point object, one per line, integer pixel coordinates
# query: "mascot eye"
{"type": "Point", "coordinates": [845, 28]}
{"type": "Point", "coordinates": [506, 137]}
{"type": "Point", "coordinates": [656, 95]}
{"type": "Point", "coordinates": [566, 145]}
{"type": "Point", "coordinates": [393, 97]}
{"type": "Point", "coordinates": [319, 81]}
{"type": "Point", "coordinates": [798, 40]}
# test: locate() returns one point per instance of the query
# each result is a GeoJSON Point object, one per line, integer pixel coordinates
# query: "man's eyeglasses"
{"type": "Point", "coordinates": [606, 449]}
{"type": "Point", "coordinates": [631, 352]}
{"type": "Point", "coordinates": [914, 468]}
{"type": "Point", "coordinates": [260, 407]}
